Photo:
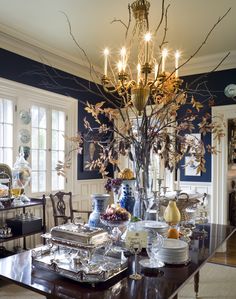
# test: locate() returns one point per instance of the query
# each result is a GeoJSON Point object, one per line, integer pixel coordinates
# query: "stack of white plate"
{"type": "Point", "coordinates": [174, 252]}
{"type": "Point", "coordinates": [155, 226]}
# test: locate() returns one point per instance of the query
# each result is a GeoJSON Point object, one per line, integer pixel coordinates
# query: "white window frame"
{"type": "Point", "coordinates": [23, 97]}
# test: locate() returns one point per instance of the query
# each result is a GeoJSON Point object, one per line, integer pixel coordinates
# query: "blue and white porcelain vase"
{"type": "Point", "coordinates": [100, 202]}
{"type": "Point", "coordinates": [127, 198]}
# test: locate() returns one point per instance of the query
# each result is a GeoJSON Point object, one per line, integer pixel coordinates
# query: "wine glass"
{"type": "Point", "coordinates": [135, 248]}
{"type": "Point", "coordinates": [154, 244]}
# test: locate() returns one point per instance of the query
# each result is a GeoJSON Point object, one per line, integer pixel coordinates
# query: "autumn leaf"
{"type": "Point", "coordinates": [196, 104]}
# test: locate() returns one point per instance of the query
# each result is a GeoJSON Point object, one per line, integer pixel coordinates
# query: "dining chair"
{"type": "Point", "coordinates": [63, 208]}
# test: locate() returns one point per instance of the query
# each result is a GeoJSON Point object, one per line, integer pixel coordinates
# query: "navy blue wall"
{"type": "Point", "coordinates": [17, 68]}
{"type": "Point", "coordinates": [23, 70]}
{"type": "Point", "coordinates": [211, 85]}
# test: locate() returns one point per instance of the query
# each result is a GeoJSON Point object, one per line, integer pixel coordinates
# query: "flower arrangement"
{"type": "Point", "coordinates": [113, 185]}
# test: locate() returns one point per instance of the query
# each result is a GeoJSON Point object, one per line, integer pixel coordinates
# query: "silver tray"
{"type": "Point", "coordinates": [71, 265]}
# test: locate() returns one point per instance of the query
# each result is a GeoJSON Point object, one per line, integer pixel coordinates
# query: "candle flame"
{"type": "Point", "coordinates": [147, 37]}
{"type": "Point", "coordinates": [106, 52]}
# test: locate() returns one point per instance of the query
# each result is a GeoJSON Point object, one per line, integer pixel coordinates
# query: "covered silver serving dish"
{"type": "Point", "coordinates": [80, 253]}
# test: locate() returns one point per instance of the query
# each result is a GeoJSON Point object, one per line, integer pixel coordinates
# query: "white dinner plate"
{"type": "Point", "coordinates": [174, 244]}
{"type": "Point", "coordinates": [153, 224]}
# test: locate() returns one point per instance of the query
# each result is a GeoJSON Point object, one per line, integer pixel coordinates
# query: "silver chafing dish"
{"type": "Point", "coordinates": [80, 253]}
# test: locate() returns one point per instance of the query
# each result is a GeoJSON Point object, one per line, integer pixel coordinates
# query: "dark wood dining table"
{"type": "Point", "coordinates": [162, 284]}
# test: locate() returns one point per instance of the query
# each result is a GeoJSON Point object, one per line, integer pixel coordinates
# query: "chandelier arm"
{"type": "Point", "coordinates": [162, 16]}
{"type": "Point", "coordinates": [111, 91]}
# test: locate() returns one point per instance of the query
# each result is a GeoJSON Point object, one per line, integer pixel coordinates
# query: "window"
{"type": "Point", "coordinates": [52, 118]}
{"type": "Point", "coordinates": [47, 148]}
{"type": "Point", "coordinates": [6, 131]}
{"type": "Point", "coordinates": [58, 147]}
{"type": "Point", "coordinates": [39, 149]}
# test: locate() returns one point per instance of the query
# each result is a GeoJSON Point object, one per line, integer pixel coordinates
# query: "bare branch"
{"type": "Point", "coordinates": [162, 16]}
{"type": "Point", "coordinates": [205, 40]}
{"type": "Point", "coordinates": [165, 28]}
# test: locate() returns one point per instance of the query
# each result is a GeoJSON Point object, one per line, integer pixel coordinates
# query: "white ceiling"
{"type": "Point", "coordinates": [41, 23]}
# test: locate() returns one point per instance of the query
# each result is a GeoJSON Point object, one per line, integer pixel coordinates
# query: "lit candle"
{"type": "Point", "coordinates": [178, 179]}
{"type": "Point", "coordinates": [138, 73]}
{"type": "Point", "coordinates": [177, 56]}
{"type": "Point", "coordinates": [147, 39]}
{"type": "Point", "coordinates": [119, 66]}
{"type": "Point", "coordinates": [106, 53]}
{"type": "Point", "coordinates": [155, 71]}
{"type": "Point", "coordinates": [123, 58]}
{"type": "Point", "coordinates": [164, 55]}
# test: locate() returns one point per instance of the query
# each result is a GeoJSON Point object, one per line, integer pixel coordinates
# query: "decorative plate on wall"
{"type": "Point", "coordinates": [25, 117]}
{"type": "Point", "coordinates": [24, 136]}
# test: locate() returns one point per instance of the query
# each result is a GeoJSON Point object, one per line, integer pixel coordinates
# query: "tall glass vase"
{"type": "Point", "coordinates": [141, 163]}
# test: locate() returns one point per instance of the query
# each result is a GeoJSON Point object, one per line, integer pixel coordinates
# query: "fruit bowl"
{"type": "Point", "coordinates": [115, 216]}
{"type": "Point", "coordinates": [115, 223]}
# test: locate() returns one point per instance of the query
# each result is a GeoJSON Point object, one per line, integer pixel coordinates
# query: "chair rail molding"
{"type": "Point", "coordinates": [219, 202]}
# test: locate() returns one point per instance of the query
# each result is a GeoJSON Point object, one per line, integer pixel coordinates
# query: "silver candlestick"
{"type": "Point", "coordinates": [157, 198]}
{"type": "Point", "coordinates": [164, 190]}
{"type": "Point", "coordinates": [178, 193]}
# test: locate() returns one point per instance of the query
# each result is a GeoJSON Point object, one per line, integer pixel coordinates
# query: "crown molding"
{"type": "Point", "coordinates": [45, 55]}
{"type": "Point", "coordinates": [205, 64]}
{"type": "Point", "coordinates": [31, 48]}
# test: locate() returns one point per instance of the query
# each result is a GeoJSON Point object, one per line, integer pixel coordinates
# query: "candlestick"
{"type": "Point", "coordinates": [164, 189]}
{"type": "Point", "coordinates": [141, 179]}
{"type": "Point", "coordinates": [178, 179]}
{"type": "Point", "coordinates": [106, 53]}
{"type": "Point", "coordinates": [177, 55]}
{"type": "Point", "coordinates": [164, 177]}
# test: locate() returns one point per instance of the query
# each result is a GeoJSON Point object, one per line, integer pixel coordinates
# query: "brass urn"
{"type": "Point", "coordinates": [139, 97]}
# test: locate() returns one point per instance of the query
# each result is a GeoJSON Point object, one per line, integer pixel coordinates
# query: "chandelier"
{"type": "Point", "coordinates": [151, 115]}
{"type": "Point", "coordinates": [152, 79]}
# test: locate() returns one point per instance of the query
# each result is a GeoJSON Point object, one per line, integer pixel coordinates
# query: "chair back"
{"type": "Point", "coordinates": [62, 207]}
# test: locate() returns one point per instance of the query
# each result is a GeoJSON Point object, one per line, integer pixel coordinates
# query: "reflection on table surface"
{"type": "Point", "coordinates": [18, 269]}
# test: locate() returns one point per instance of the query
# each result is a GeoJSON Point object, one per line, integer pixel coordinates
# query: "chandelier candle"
{"type": "Point", "coordinates": [164, 56]}
{"type": "Point", "coordinates": [106, 53]}
{"type": "Point", "coordinates": [177, 56]}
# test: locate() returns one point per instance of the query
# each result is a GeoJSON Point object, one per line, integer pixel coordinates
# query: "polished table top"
{"type": "Point", "coordinates": [18, 269]}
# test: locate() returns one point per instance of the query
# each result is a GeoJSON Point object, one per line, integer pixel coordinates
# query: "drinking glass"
{"type": "Point", "coordinates": [135, 248]}
{"type": "Point", "coordinates": [154, 244]}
